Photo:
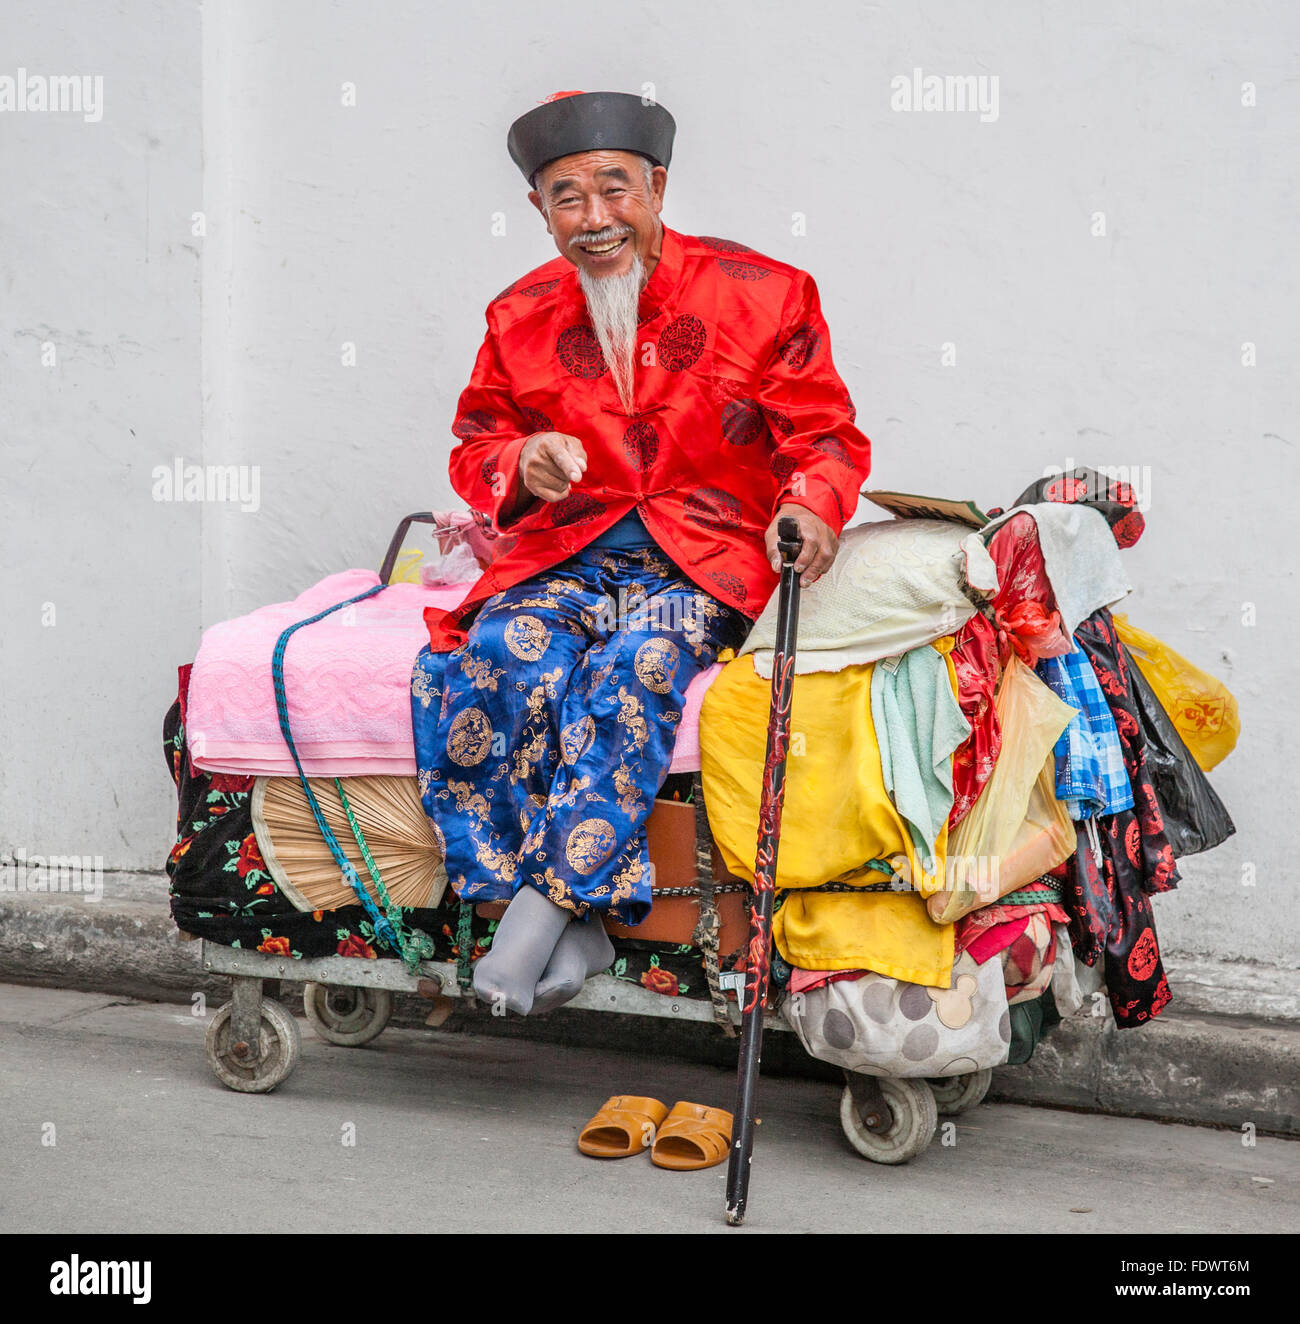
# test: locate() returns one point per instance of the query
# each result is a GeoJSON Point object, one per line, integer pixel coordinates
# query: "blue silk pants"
{"type": "Point", "coordinates": [542, 740]}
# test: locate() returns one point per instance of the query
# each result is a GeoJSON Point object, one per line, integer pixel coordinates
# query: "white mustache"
{"type": "Point", "coordinates": [601, 236]}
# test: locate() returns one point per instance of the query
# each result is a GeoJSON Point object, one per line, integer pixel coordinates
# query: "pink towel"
{"type": "Point", "coordinates": [347, 679]}
{"type": "Point", "coordinates": [348, 683]}
{"type": "Point", "coordinates": [686, 751]}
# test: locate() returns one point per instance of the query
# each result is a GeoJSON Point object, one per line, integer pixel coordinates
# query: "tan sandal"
{"type": "Point", "coordinates": [626, 1125]}
{"type": "Point", "coordinates": [692, 1137]}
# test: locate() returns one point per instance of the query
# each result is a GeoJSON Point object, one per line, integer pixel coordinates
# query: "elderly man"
{"type": "Point", "coordinates": [642, 410]}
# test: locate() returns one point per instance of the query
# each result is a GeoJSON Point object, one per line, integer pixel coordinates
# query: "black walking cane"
{"type": "Point", "coordinates": [758, 963]}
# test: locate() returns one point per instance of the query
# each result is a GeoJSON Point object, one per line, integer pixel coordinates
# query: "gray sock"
{"type": "Point", "coordinates": [584, 950]}
{"type": "Point", "coordinates": [522, 945]}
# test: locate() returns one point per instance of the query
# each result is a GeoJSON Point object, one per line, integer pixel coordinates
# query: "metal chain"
{"type": "Point", "coordinates": [718, 889]}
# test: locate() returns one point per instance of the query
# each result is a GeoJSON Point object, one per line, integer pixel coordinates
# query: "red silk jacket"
{"type": "Point", "coordinates": [739, 410]}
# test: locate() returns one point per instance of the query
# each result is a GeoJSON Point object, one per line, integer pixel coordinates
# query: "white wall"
{"type": "Point", "coordinates": [97, 260]}
{"type": "Point", "coordinates": [373, 225]}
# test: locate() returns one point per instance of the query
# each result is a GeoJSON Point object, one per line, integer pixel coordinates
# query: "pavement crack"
{"type": "Point", "coordinates": [86, 1011]}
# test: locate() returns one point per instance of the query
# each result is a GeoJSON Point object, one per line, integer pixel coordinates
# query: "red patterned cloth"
{"type": "Point", "coordinates": [1027, 621]}
{"type": "Point", "coordinates": [740, 410]}
{"type": "Point", "coordinates": [991, 940]}
{"type": "Point", "coordinates": [975, 658]}
{"type": "Point", "coordinates": [1025, 607]}
{"type": "Point", "coordinates": [1023, 935]}
{"type": "Point", "coordinates": [1111, 913]}
{"type": "Point", "coordinates": [991, 929]}
{"type": "Point", "coordinates": [1027, 961]}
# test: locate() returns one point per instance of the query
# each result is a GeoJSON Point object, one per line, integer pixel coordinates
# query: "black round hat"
{"type": "Point", "coordinates": [590, 121]}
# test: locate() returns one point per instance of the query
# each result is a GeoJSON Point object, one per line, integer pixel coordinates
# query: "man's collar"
{"type": "Point", "coordinates": [663, 279]}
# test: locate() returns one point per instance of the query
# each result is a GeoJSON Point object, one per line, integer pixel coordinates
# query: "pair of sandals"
{"type": "Point", "coordinates": [688, 1137]}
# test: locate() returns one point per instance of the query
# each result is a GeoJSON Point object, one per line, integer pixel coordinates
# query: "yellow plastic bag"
{"type": "Point", "coordinates": [1044, 839]}
{"type": "Point", "coordinates": [1200, 706]}
{"type": "Point", "coordinates": [1017, 821]}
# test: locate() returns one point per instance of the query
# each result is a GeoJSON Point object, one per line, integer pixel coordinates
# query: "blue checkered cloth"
{"type": "Point", "coordinates": [1090, 775]}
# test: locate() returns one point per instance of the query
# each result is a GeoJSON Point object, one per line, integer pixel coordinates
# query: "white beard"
{"type": "Point", "coordinates": [613, 303]}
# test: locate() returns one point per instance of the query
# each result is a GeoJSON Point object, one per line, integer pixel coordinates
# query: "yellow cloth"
{"type": "Point", "coordinates": [888, 932]}
{"type": "Point", "coordinates": [837, 816]}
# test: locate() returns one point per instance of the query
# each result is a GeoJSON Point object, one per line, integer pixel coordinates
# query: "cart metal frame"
{"type": "Point", "coordinates": [438, 979]}
{"type": "Point", "coordinates": [253, 1042]}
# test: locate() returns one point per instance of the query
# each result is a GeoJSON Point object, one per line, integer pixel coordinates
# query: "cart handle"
{"type": "Point", "coordinates": [395, 545]}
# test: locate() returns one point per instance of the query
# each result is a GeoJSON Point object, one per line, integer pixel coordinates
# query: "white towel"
{"type": "Point", "coordinates": [894, 585]}
{"type": "Point", "coordinates": [1081, 557]}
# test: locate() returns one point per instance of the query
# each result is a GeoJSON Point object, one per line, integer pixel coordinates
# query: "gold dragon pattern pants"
{"type": "Point", "coordinates": [542, 740]}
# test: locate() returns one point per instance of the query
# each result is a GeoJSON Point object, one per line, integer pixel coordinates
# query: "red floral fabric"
{"type": "Point", "coordinates": [1025, 606]}
{"type": "Point", "coordinates": [1141, 830]}
{"type": "Point", "coordinates": [1024, 599]}
{"type": "Point", "coordinates": [975, 659]}
{"type": "Point", "coordinates": [739, 409]}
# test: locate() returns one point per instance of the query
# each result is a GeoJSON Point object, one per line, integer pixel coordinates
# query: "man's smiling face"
{"type": "Point", "coordinates": [601, 211]}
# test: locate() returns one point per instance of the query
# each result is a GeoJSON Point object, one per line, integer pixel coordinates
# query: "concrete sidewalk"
{"type": "Point", "coordinates": [1226, 1053]}
{"type": "Point", "coordinates": [429, 1131]}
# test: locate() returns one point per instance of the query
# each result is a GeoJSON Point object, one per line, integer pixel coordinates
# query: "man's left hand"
{"type": "Point", "coordinates": [819, 544]}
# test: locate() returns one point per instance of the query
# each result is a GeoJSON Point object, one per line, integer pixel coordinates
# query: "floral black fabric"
{"type": "Point", "coordinates": [1115, 500]}
{"type": "Point", "coordinates": [1111, 916]}
{"type": "Point", "coordinates": [221, 889]}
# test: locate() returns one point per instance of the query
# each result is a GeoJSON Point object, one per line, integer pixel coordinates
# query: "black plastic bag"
{"type": "Point", "coordinates": [1195, 818]}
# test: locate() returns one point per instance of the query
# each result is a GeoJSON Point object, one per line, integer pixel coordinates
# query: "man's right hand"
{"type": "Point", "coordinates": [550, 463]}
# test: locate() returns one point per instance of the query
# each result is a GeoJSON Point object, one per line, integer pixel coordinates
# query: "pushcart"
{"type": "Point", "coordinates": [253, 1041]}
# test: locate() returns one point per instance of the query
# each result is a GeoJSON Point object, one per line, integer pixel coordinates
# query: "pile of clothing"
{"type": "Point", "coordinates": [989, 777]}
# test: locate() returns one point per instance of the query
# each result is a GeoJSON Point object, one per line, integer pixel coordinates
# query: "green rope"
{"type": "Point", "coordinates": [413, 945]}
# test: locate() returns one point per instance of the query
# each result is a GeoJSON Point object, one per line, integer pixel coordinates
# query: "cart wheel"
{"type": "Point", "coordinates": [915, 1120]}
{"type": "Point", "coordinates": [954, 1094]}
{"type": "Point", "coordinates": [348, 1017]}
{"type": "Point", "coordinates": [279, 1044]}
